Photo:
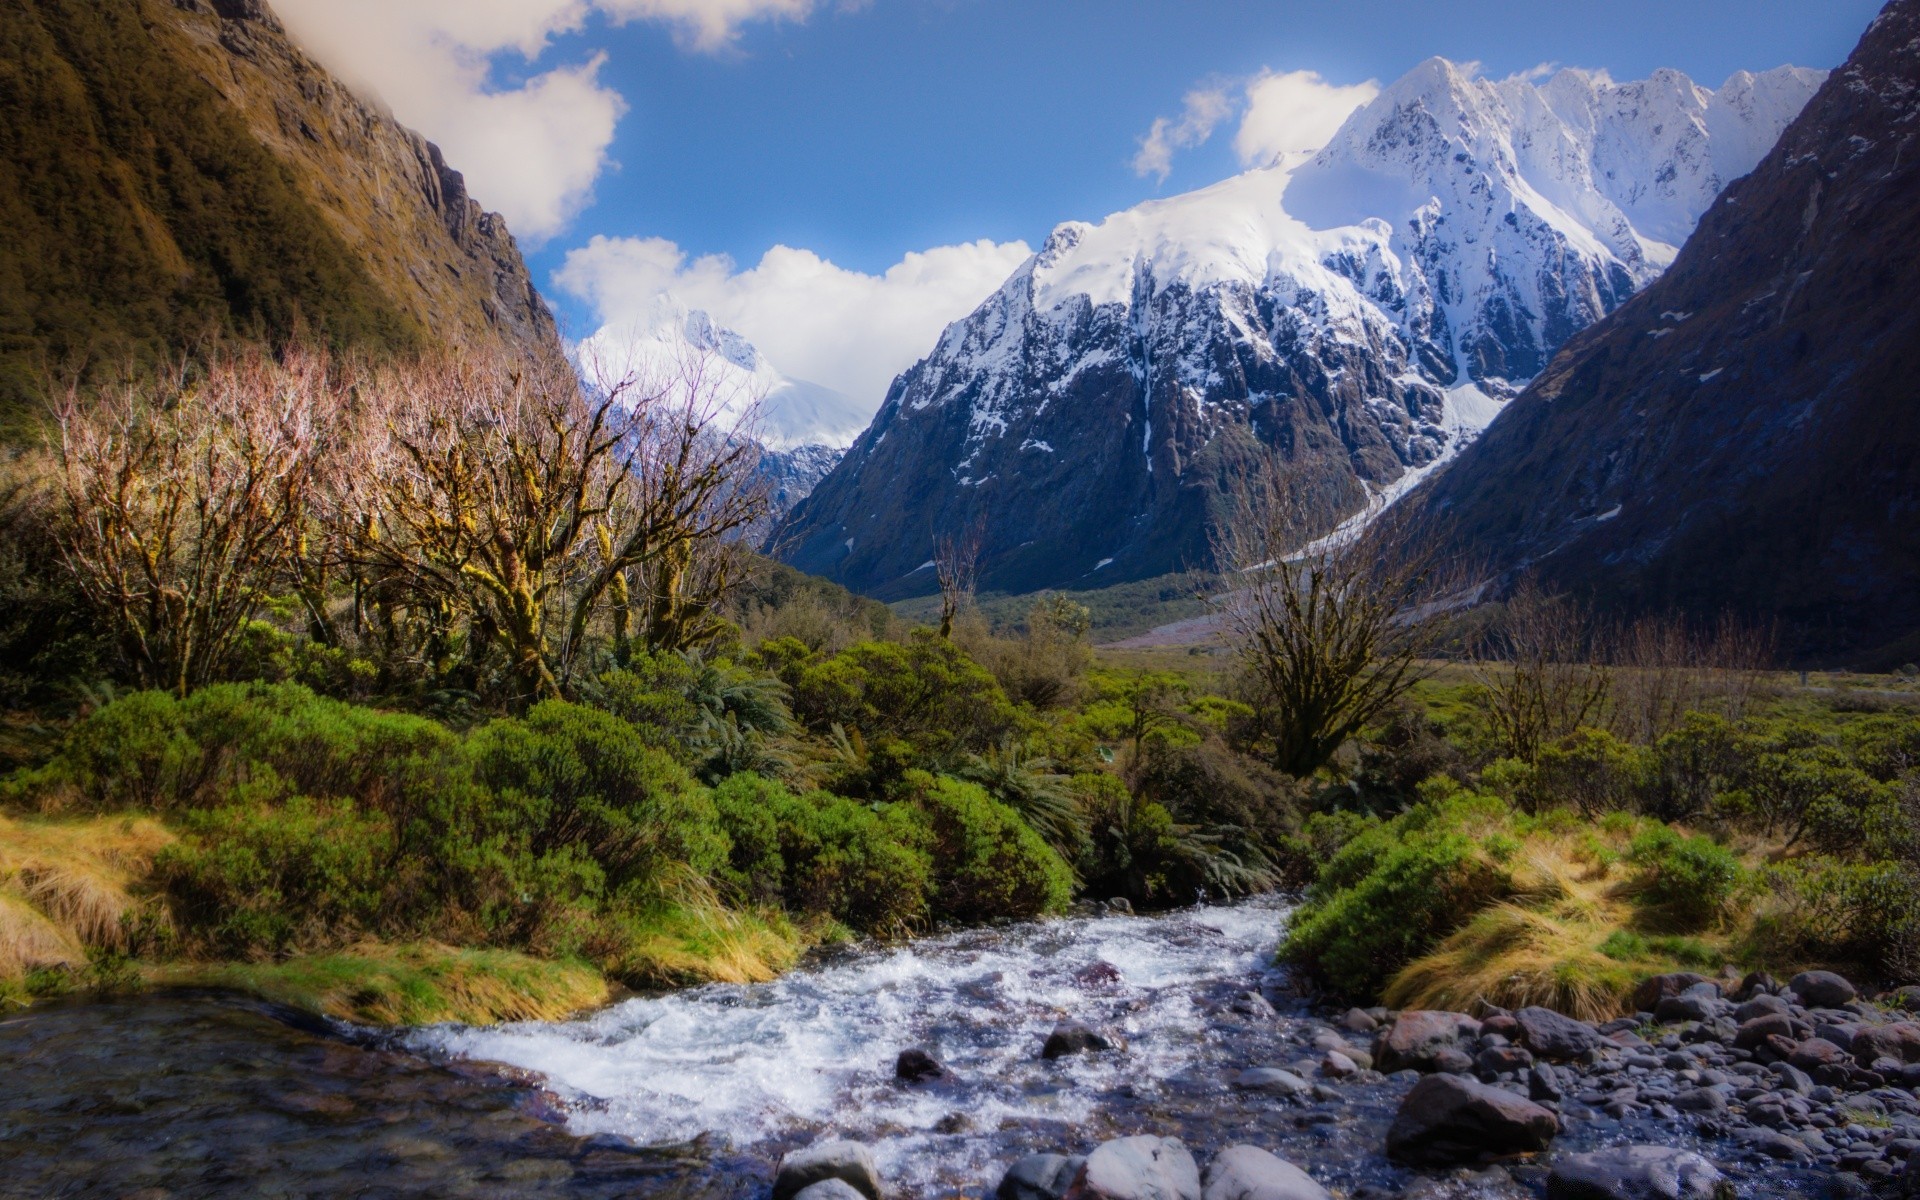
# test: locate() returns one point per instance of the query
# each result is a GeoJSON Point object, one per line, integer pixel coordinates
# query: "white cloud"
{"type": "Point", "coordinates": [1203, 111]}
{"type": "Point", "coordinates": [1293, 114]}
{"type": "Point", "coordinates": [531, 150]}
{"type": "Point", "coordinates": [812, 319]}
{"type": "Point", "coordinates": [1290, 113]}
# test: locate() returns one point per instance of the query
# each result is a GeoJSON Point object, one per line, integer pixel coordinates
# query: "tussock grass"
{"type": "Point", "coordinates": [30, 942]}
{"type": "Point", "coordinates": [688, 936]}
{"type": "Point", "coordinates": [77, 878]}
{"type": "Point", "coordinates": [1576, 937]}
{"type": "Point", "coordinates": [410, 985]}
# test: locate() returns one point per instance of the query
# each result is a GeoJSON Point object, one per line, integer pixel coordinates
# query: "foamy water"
{"type": "Point", "coordinates": [813, 1052]}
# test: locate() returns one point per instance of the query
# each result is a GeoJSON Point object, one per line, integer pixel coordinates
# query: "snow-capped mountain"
{"type": "Point", "coordinates": [1743, 438]}
{"type": "Point", "coordinates": [783, 413]}
{"type": "Point", "coordinates": [1365, 313]}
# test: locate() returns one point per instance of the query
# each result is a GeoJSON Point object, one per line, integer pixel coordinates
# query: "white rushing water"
{"type": "Point", "coordinates": [812, 1053]}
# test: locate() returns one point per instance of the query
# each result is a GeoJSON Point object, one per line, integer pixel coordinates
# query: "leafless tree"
{"type": "Point", "coordinates": [504, 497]}
{"type": "Point", "coordinates": [1330, 632]}
{"type": "Point", "coordinates": [956, 565]}
{"type": "Point", "coordinates": [179, 498]}
{"type": "Point", "coordinates": [1665, 668]}
{"type": "Point", "coordinates": [1540, 671]}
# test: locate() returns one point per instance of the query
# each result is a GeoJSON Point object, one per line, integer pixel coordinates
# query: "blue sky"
{"type": "Point", "coordinates": [885, 163]}
{"type": "Point", "coordinates": [916, 123]}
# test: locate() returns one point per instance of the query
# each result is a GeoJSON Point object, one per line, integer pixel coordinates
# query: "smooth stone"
{"type": "Point", "coordinates": [1822, 989]}
{"type": "Point", "coordinates": [1636, 1173]}
{"type": "Point", "coordinates": [1652, 990]}
{"type": "Point", "coordinates": [1273, 1081]}
{"type": "Point", "coordinates": [849, 1162]}
{"type": "Point", "coordinates": [1447, 1120]}
{"type": "Point", "coordinates": [1251, 1173]}
{"type": "Point", "coordinates": [1551, 1035]}
{"type": "Point", "coordinates": [829, 1189]}
{"type": "Point", "coordinates": [1417, 1036]}
{"type": "Point", "coordinates": [1137, 1168]}
{"type": "Point", "coordinates": [1039, 1177]}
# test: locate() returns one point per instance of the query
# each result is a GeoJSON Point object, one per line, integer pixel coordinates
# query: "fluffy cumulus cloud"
{"type": "Point", "coordinates": [532, 149]}
{"type": "Point", "coordinates": [1282, 114]}
{"type": "Point", "coordinates": [846, 330]}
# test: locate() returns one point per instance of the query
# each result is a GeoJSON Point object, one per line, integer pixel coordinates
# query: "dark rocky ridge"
{"type": "Point", "coordinates": [1746, 433]}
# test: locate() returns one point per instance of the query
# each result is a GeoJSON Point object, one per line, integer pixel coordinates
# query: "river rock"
{"type": "Point", "coordinates": [1338, 1066]}
{"type": "Point", "coordinates": [1756, 1032]}
{"type": "Point", "coordinates": [1250, 1173]}
{"type": "Point", "coordinates": [829, 1189]}
{"type": "Point", "coordinates": [1775, 1145]}
{"type": "Point", "coordinates": [1555, 1037]}
{"type": "Point", "coordinates": [1137, 1168]}
{"type": "Point", "coordinates": [915, 1065]}
{"type": "Point", "coordinates": [849, 1162]}
{"type": "Point", "coordinates": [1815, 1053]}
{"type": "Point", "coordinates": [1899, 1041]}
{"type": "Point", "coordinates": [1039, 1177]}
{"type": "Point", "coordinates": [1448, 1120]}
{"type": "Point", "coordinates": [1822, 989]}
{"type": "Point", "coordinates": [1273, 1081]}
{"type": "Point", "coordinates": [1073, 1038]}
{"type": "Point", "coordinates": [1757, 983]}
{"type": "Point", "coordinates": [1760, 1006]}
{"type": "Point", "coordinates": [1415, 1037]}
{"type": "Point", "coordinates": [1636, 1173]}
{"type": "Point", "coordinates": [1359, 1020]}
{"type": "Point", "coordinates": [1653, 990]}
{"type": "Point", "coordinates": [1701, 1002]}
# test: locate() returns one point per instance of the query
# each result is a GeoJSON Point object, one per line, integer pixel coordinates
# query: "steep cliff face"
{"type": "Point", "coordinates": [1364, 314]}
{"type": "Point", "coordinates": [1746, 433]}
{"type": "Point", "coordinates": [174, 171]}
{"type": "Point", "coordinates": [384, 189]}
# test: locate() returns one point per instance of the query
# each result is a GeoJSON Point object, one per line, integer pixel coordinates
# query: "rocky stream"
{"type": "Point", "coordinates": [1102, 1056]}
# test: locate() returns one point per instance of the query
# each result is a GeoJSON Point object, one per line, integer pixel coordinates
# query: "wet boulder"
{"type": "Point", "coordinates": [917, 1066]}
{"type": "Point", "coordinates": [1815, 1053]}
{"type": "Point", "coordinates": [1555, 1037]}
{"type": "Point", "coordinates": [1073, 1038]}
{"type": "Point", "coordinates": [1447, 1120]}
{"type": "Point", "coordinates": [829, 1189]}
{"type": "Point", "coordinates": [1039, 1177]}
{"type": "Point", "coordinates": [1700, 1002]}
{"type": "Point", "coordinates": [1137, 1168]}
{"type": "Point", "coordinates": [1250, 1173]}
{"type": "Point", "coordinates": [1502, 1060]}
{"type": "Point", "coordinates": [1636, 1173]}
{"type": "Point", "coordinates": [1822, 989]}
{"type": "Point", "coordinates": [1416, 1037]}
{"type": "Point", "coordinates": [1273, 1081]}
{"type": "Point", "coordinates": [849, 1162]}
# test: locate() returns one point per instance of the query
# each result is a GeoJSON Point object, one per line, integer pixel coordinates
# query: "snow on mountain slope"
{"type": "Point", "coordinates": [1365, 313]}
{"type": "Point", "coordinates": [787, 414]}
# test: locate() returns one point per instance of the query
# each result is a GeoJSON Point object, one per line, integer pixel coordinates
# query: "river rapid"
{"type": "Point", "coordinates": [699, 1092]}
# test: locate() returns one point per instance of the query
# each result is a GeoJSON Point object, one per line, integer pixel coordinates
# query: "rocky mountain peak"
{"type": "Point", "coordinates": [1364, 314]}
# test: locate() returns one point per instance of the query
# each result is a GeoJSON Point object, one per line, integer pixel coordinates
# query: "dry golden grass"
{"type": "Point", "coordinates": [423, 984]}
{"type": "Point", "coordinates": [77, 878]}
{"type": "Point", "coordinates": [30, 942]}
{"type": "Point", "coordinates": [1545, 946]}
{"type": "Point", "coordinates": [691, 937]}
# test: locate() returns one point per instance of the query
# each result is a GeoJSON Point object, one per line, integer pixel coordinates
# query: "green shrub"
{"type": "Point", "coordinates": [987, 862]}
{"type": "Point", "coordinates": [571, 777]}
{"type": "Point", "coordinates": [256, 879]}
{"type": "Point", "coordinates": [823, 855]}
{"type": "Point", "coordinates": [1395, 890]}
{"type": "Point", "coordinates": [1694, 879]}
{"type": "Point", "coordinates": [1860, 916]}
{"type": "Point", "coordinates": [926, 693]}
